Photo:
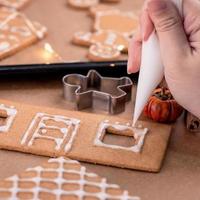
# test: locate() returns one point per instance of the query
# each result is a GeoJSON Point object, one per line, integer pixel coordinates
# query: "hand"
{"type": "Point", "coordinates": [180, 47]}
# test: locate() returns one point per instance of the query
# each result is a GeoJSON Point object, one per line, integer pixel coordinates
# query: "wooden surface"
{"type": "Point", "coordinates": [180, 175]}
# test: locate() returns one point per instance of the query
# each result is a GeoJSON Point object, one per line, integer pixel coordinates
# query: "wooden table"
{"type": "Point", "coordinates": [180, 175]}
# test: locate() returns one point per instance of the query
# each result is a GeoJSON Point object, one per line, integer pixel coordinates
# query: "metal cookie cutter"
{"type": "Point", "coordinates": [93, 90]}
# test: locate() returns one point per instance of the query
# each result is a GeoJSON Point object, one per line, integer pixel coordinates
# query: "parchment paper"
{"type": "Point", "coordinates": [180, 175]}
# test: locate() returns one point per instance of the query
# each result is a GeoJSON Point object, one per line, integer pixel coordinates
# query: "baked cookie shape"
{"type": "Point", "coordinates": [83, 136]}
{"type": "Point", "coordinates": [125, 23]}
{"type": "Point", "coordinates": [103, 45]}
{"type": "Point", "coordinates": [82, 4]}
{"type": "Point", "coordinates": [17, 32]}
{"type": "Point", "coordinates": [85, 4]}
{"type": "Point", "coordinates": [61, 179]}
{"type": "Point", "coordinates": [113, 30]}
{"type": "Point", "coordinates": [99, 8]}
{"type": "Point", "coordinates": [16, 4]}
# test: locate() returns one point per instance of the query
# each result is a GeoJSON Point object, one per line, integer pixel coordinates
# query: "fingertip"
{"type": "Point", "coordinates": [147, 25]}
{"type": "Point", "coordinates": [134, 53]}
{"type": "Point", "coordinates": [133, 66]}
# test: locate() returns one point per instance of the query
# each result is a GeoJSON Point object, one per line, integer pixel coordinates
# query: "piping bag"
{"type": "Point", "coordinates": [151, 69]}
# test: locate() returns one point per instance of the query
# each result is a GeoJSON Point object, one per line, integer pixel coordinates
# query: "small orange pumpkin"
{"type": "Point", "coordinates": [162, 107]}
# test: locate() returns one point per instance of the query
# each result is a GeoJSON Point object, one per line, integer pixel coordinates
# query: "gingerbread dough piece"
{"type": "Point", "coordinates": [114, 20]}
{"type": "Point", "coordinates": [103, 53]}
{"type": "Point", "coordinates": [17, 32]}
{"type": "Point", "coordinates": [83, 3]}
{"type": "Point", "coordinates": [60, 178]}
{"type": "Point", "coordinates": [16, 4]}
{"type": "Point", "coordinates": [86, 137]}
{"type": "Point", "coordinates": [99, 8]}
{"type": "Point", "coordinates": [104, 45]}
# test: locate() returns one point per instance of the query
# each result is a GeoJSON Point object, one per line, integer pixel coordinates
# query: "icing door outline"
{"type": "Point", "coordinates": [39, 127]}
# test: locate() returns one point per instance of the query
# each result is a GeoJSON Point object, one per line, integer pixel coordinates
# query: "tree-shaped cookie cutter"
{"type": "Point", "coordinates": [93, 90]}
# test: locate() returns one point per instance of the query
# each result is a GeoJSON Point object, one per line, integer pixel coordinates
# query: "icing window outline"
{"type": "Point", "coordinates": [139, 135]}
{"type": "Point", "coordinates": [71, 123]}
{"type": "Point", "coordinates": [11, 113]}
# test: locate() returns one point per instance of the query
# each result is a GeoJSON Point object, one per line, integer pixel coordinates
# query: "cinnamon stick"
{"type": "Point", "coordinates": [192, 123]}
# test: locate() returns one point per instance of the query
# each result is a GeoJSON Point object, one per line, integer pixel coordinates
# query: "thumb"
{"type": "Point", "coordinates": [169, 27]}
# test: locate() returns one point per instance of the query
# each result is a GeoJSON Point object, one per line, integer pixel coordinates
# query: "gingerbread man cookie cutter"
{"type": "Point", "coordinates": [93, 90]}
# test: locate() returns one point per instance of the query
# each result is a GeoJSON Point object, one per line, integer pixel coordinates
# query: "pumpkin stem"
{"type": "Point", "coordinates": [163, 94]}
{"type": "Point", "coordinates": [163, 89]}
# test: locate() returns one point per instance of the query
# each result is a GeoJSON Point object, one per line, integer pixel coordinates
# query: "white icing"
{"type": "Point", "coordinates": [83, 36]}
{"type": "Point", "coordinates": [80, 193]}
{"type": "Point", "coordinates": [106, 52]}
{"type": "Point", "coordinates": [111, 38]}
{"type": "Point", "coordinates": [41, 130]}
{"type": "Point", "coordinates": [17, 4]}
{"type": "Point", "coordinates": [22, 30]}
{"type": "Point", "coordinates": [139, 135]}
{"type": "Point", "coordinates": [38, 33]}
{"type": "Point", "coordinates": [4, 46]}
{"type": "Point", "coordinates": [13, 37]}
{"type": "Point", "coordinates": [11, 112]}
{"type": "Point", "coordinates": [83, 3]}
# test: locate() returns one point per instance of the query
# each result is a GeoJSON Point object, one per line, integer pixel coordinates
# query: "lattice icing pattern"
{"type": "Point", "coordinates": [138, 134]}
{"type": "Point", "coordinates": [42, 123]}
{"type": "Point", "coordinates": [7, 116]}
{"type": "Point", "coordinates": [59, 179]}
{"type": "Point", "coordinates": [17, 31]}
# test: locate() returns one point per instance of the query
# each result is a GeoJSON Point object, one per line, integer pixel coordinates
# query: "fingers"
{"type": "Point", "coordinates": [146, 25]}
{"type": "Point", "coordinates": [135, 47]}
{"type": "Point", "coordinates": [134, 52]}
{"type": "Point", "coordinates": [169, 27]}
{"type": "Point", "coordinates": [191, 10]}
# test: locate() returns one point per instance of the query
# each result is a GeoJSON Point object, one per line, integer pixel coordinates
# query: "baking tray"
{"type": "Point", "coordinates": [110, 69]}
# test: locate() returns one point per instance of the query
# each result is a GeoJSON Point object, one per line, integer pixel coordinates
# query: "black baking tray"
{"type": "Point", "coordinates": [110, 69]}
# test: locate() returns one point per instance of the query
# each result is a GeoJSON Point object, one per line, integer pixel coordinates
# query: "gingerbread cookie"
{"type": "Point", "coordinates": [115, 20]}
{"type": "Point", "coordinates": [17, 32]}
{"type": "Point", "coordinates": [86, 137]}
{"type": "Point", "coordinates": [16, 4]}
{"type": "Point", "coordinates": [99, 8]}
{"type": "Point", "coordinates": [82, 3]}
{"type": "Point", "coordinates": [60, 178]}
{"type": "Point", "coordinates": [104, 45]}
{"type": "Point", "coordinates": [100, 52]}
{"type": "Point", "coordinates": [85, 4]}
